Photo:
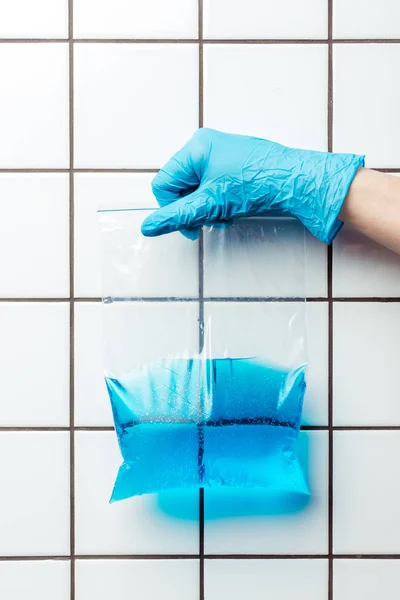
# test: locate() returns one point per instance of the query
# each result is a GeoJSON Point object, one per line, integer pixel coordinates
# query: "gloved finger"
{"type": "Point", "coordinates": [178, 177]}
{"type": "Point", "coordinates": [191, 234]}
{"type": "Point", "coordinates": [187, 213]}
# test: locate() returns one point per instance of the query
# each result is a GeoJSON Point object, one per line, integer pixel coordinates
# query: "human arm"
{"type": "Point", "coordinates": [372, 207]}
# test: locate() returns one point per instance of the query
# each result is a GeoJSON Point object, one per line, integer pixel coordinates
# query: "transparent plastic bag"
{"type": "Point", "coordinates": [205, 355]}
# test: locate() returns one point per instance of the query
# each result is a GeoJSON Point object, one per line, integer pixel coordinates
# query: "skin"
{"type": "Point", "coordinates": [372, 207]}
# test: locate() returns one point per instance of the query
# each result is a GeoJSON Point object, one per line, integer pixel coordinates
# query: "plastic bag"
{"type": "Point", "coordinates": [205, 354]}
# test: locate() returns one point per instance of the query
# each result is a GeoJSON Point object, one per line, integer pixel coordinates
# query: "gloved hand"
{"type": "Point", "coordinates": [240, 176]}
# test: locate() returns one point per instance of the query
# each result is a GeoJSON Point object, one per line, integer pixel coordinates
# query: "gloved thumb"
{"type": "Point", "coordinates": [189, 212]}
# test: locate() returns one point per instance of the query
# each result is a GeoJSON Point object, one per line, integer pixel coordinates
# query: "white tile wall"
{"type": "Point", "coordinates": [34, 235]}
{"type": "Point", "coordinates": [135, 19]}
{"type": "Point", "coordinates": [38, 19]}
{"type": "Point", "coordinates": [147, 579]}
{"type": "Point", "coordinates": [366, 579]}
{"type": "Point", "coordinates": [242, 521]}
{"type": "Point", "coordinates": [130, 111]}
{"type": "Point", "coordinates": [366, 349]}
{"type": "Point", "coordinates": [263, 19]}
{"type": "Point", "coordinates": [366, 512]}
{"type": "Point", "coordinates": [34, 105]}
{"type": "Point", "coordinates": [235, 260]}
{"type": "Point", "coordinates": [365, 102]}
{"type": "Point", "coordinates": [46, 579]}
{"type": "Point", "coordinates": [92, 191]}
{"type": "Point", "coordinates": [358, 19]}
{"type": "Point", "coordinates": [88, 122]}
{"type": "Point", "coordinates": [275, 92]}
{"type": "Point", "coordinates": [92, 406]}
{"type": "Point", "coordinates": [34, 503]}
{"type": "Point", "coordinates": [260, 329]}
{"type": "Point", "coordinates": [362, 268]}
{"type": "Point", "coordinates": [283, 579]}
{"type": "Point", "coordinates": [34, 358]}
{"type": "Point", "coordinates": [133, 527]}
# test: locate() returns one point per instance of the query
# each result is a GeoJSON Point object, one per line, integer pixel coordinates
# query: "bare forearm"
{"type": "Point", "coordinates": [372, 206]}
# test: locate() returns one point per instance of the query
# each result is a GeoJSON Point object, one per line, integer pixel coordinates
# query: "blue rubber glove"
{"type": "Point", "coordinates": [240, 176]}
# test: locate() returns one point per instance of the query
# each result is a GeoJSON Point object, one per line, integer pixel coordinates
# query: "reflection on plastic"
{"type": "Point", "coordinates": [208, 422]}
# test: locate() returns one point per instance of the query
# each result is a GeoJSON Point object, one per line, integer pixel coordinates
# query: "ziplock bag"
{"type": "Point", "coordinates": [205, 355]}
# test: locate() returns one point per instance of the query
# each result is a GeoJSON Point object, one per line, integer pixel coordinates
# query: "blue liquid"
{"type": "Point", "coordinates": [215, 422]}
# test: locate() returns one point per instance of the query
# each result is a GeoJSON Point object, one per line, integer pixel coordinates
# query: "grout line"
{"type": "Point", "coordinates": [32, 558]}
{"type": "Point", "coordinates": [238, 41]}
{"type": "Point", "coordinates": [138, 557]}
{"type": "Point", "coordinates": [117, 557]}
{"type": "Point", "coordinates": [83, 170]}
{"type": "Point", "coordinates": [34, 40]}
{"type": "Point", "coordinates": [201, 309]}
{"type": "Point", "coordinates": [366, 41]}
{"type": "Point", "coordinates": [94, 428]}
{"type": "Point", "coordinates": [264, 556]}
{"type": "Point", "coordinates": [136, 41]}
{"type": "Point", "coordinates": [236, 299]}
{"type": "Point", "coordinates": [330, 318]}
{"type": "Point", "coordinates": [265, 41]}
{"type": "Point", "coordinates": [34, 170]}
{"type": "Point", "coordinates": [71, 292]}
{"type": "Point", "coordinates": [122, 170]}
{"type": "Point", "coordinates": [32, 300]}
{"type": "Point", "coordinates": [330, 427]}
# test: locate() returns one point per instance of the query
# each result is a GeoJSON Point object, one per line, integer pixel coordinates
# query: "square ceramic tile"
{"type": "Point", "coordinates": [364, 91]}
{"type": "Point", "coordinates": [136, 266]}
{"type": "Point", "coordinates": [263, 257]}
{"type": "Point", "coordinates": [316, 267]}
{"type": "Point", "coordinates": [139, 332]}
{"type": "Point", "coordinates": [141, 525]}
{"type": "Point", "coordinates": [34, 106]}
{"type": "Point", "coordinates": [135, 19]}
{"type": "Point", "coordinates": [94, 191]}
{"type": "Point", "coordinates": [362, 267]}
{"type": "Point", "coordinates": [240, 521]}
{"type": "Point", "coordinates": [37, 580]}
{"type": "Point", "coordinates": [164, 266]}
{"type": "Point", "coordinates": [258, 19]}
{"type": "Point", "coordinates": [315, 409]}
{"type": "Point", "coordinates": [366, 579]}
{"type": "Point", "coordinates": [284, 579]}
{"type": "Point", "coordinates": [284, 333]}
{"type": "Point", "coordinates": [129, 110]}
{"type": "Point", "coordinates": [278, 92]}
{"type": "Point", "coordinates": [34, 358]}
{"type": "Point", "coordinates": [92, 405]}
{"type": "Point", "coordinates": [366, 517]}
{"type": "Point", "coordinates": [38, 19]}
{"type": "Point", "coordinates": [366, 347]}
{"type": "Point", "coordinates": [34, 503]}
{"type": "Point", "coordinates": [275, 331]}
{"type": "Point", "coordinates": [359, 19]}
{"type": "Point", "coordinates": [148, 579]}
{"type": "Point", "coordinates": [35, 224]}
{"type": "Point", "coordinates": [115, 337]}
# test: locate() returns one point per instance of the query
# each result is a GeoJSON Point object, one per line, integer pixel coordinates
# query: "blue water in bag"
{"type": "Point", "coordinates": [190, 423]}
